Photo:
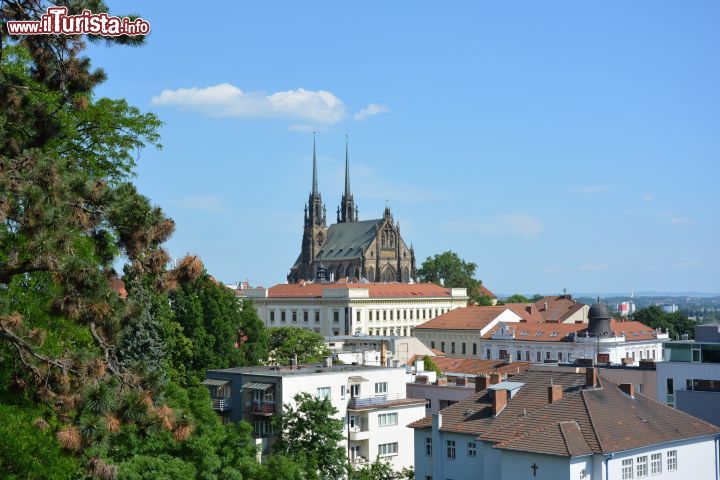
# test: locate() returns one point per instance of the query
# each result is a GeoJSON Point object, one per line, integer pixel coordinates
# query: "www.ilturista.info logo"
{"type": "Point", "coordinates": [57, 22]}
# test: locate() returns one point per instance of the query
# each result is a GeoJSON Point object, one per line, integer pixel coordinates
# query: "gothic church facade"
{"type": "Point", "coordinates": [351, 249]}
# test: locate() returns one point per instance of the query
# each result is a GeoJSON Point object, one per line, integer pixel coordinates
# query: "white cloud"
{"type": "Point", "coordinates": [593, 266]}
{"type": "Point", "coordinates": [648, 197]}
{"type": "Point", "coordinates": [227, 100]}
{"type": "Point", "coordinates": [370, 110]}
{"type": "Point", "coordinates": [208, 203]}
{"type": "Point", "coordinates": [689, 265]}
{"type": "Point", "coordinates": [514, 224]}
{"type": "Point", "coordinates": [682, 221]}
{"type": "Point", "coordinates": [591, 189]}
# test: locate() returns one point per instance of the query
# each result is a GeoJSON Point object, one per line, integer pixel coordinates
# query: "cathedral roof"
{"type": "Point", "coordinates": [348, 240]}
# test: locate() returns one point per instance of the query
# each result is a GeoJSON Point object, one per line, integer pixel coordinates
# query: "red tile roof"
{"type": "Point", "coordinates": [541, 332]}
{"type": "Point", "coordinates": [559, 307]}
{"type": "Point", "coordinates": [466, 318]}
{"type": "Point", "coordinates": [585, 420]}
{"type": "Point", "coordinates": [487, 292]}
{"type": "Point", "coordinates": [375, 290]}
{"type": "Point", "coordinates": [118, 286]}
{"type": "Point", "coordinates": [527, 311]}
{"type": "Point", "coordinates": [475, 366]}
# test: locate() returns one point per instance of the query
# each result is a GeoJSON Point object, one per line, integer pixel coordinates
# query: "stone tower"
{"type": "Point", "coordinates": [347, 211]}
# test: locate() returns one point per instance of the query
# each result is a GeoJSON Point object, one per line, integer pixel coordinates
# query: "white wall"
{"type": "Point", "coordinates": [696, 460]}
{"type": "Point", "coordinates": [517, 466]}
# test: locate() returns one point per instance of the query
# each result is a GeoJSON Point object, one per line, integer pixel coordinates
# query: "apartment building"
{"type": "Point", "coordinates": [370, 399]}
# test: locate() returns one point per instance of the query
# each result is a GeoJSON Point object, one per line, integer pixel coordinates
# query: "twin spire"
{"type": "Point", "coordinates": [347, 211]}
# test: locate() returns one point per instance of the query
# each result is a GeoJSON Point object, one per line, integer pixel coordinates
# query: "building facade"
{"type": "Point", "coordinates": [480, 332]}
{"type": "Point", "coordinates": [557, 425]}
{"type": "Point", "coordinates": [333, 309]}
{"type": "Point", "coordinates": [371, 400]}
{"type": "Point", "coordinates": [388, 351]}
{"type": "Point", "coordinates": [689, 378]}
{"type": "Point", "coordinates": [351, 248]}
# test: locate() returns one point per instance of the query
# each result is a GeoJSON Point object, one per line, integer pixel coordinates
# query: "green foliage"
{"type": "Point", "coordinates": [310, 433]}
{"type": "Point", "coordinates": [675, 323]}
{"type": "Point", "coordinates": [286, 342]}
{"type": "Point", "coordinates": [517, 298]}
{"type": "Point", "coordinates": [431, 366]}
{"type": "Point", "coordinates": [450, 270]}
{"type": "Point", "coordinates": [29, 453]}
{"type": "Point", "coordinates": [254, 337]}
{"type": "Point", "coordinates": [164, 467]}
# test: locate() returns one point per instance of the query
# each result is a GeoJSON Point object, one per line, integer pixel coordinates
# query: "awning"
{"type": "Point", "coordinates": [257, 386]}
{"type": "Point", "coordinates": [357, 379]}
{"type": "Point", "coordinates": [214, 382]}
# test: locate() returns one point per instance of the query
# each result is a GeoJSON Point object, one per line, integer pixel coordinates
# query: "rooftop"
{"type": "Point", "coordinates": [600, 420]}
{"type": "Point", "coordinates": [475, 366]}
{"type": "Point", "coordinates": [375, 290]}
{"type": "Point", "coordinates": [298, 370]}
{"type": "Point", "coordinates": [466, 318]}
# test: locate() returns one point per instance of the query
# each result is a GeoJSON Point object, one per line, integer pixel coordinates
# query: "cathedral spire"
{"type": "Point", "coordinates": [314, 183]}
{"type": "Point", "coordinates": [347, 168]}
{"type": "Point", "coordinates": [348, 210]}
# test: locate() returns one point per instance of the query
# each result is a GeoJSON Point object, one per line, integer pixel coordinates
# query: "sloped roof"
{"type": "Point", "coordinates": [584, 421]}
{"type": "Point", "coordinates": [466, 318]}
{"type": "Point", "coordinates": [559, 307]}
{"type": "Point", "coordinates": [348, 240]}
{"type": "Point", "coordinates": [541, 332]}
{"type": "Point", "coordinates": [474, 366]}
{"type": "Point", "coordinates": [527, 311]}
{"type": "Point", "coordinates": [375, 290]}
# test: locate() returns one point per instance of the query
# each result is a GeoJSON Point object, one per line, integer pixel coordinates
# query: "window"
{"type": "Point", "coordinates": [381, 387]}
{"type": "Point", "coordinates": [471, 449]}
{"type": "Point", "coordinates": [450, 449]}
{"type": "Point", "coordinates": [671, 460]}
{"type": "Point", "coordinates": [428, 403]}
{"type": "Point", "coordinates": [641, 466]}
{"type": "Point", "coordinates": [272, 315]}
{"type": "Point", "coordinates": [627, 468]}
{"type": "Point", "coordinates": [487, 354]}
{"type": "Point", "coordinates": [294, 316]}
{"type": "Point", "coordinates": [559, 356]}
{"type": "Point", "coordinates": [452, 348]}
{"type": "Point", "coordinates": [386, 419]}
{"type": "Point", "coordinates": [474, 348]}
{"type": "Point", "coordinates": [282, 316]}
{"type": "Point", "coordinates": [342, 392]}
{"type": "Point", "coordinates": [432, 344]}
{"type": "Point", "coordinates": [519, 355]}
{"type": "Point", "coordinates": [357, 316]}
{"type": "Point", "coordinates": [306, 316]}
{"type": "Point", "coordinates": [538, 356]}
{"type": "Point", "coordinates": [263, 428]}
{"type": "Point", "coordinates": [323, 392]}
{"type": "Point", "coordinates": [462, 348]}
{"type": "Point", "coordinates": [336, 316]}
{"type": "Point", "coordinates": [527, 355]}
{"type": "Point", "coordinates": [317, 317]}
{"type": "Point", "coordinates": [547, 355]}
{"type": "Point", "coordinates": [502, 354]}
{"type": "Point", "coordinates": [392, 312]}
{"type": "Point", "coordinates": [442, 346]}
{"type": "Point", "coordinates": [656, 463]}
{"type": "Point", "coordinates": [384, 314]}
{"type": "Point", "coordinates": [428, 446]}
{"type": "Point", "coordinates": [387, 449]}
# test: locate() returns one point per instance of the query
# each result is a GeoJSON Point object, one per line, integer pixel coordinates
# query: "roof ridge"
{"type": "Point", "coordinates": [562, 433]}
{"type": "Point", "coordinates": [592, 420]}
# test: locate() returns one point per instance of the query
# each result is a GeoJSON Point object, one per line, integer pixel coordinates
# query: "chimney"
{"type": "Point", "coordinates": [545, 306]}
{"type": "Point", "coordinates": [328, 361]}
{"type": "Point", "coordinates": [494, 378]}
{"type": "Point", "coordinates": [555, 393]}
{"type": "Point", "coordinates": [508, 359]}
{"type": "Point", "coordinates": [628, 389]}
{"type": "Point", "coordinates": [293, 361]}
{"type": "Point", "coordinates": [499, 401]}
{"type": "Point", "coordinates": [591, 377]}
{"type": "Point", "coordinates": [481, 383]}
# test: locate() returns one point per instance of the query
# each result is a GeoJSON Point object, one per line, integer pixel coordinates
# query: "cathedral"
{"type": "Point", "coordinates": [351, 249]}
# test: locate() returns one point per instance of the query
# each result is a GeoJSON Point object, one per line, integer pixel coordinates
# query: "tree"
{"type": "Point", "coordinates": [517, 298]}
{"type": "Point", "coordinates": [430, 366]}
{"type": "Point", "coordinates": [254, 337]}
{"type": "Point", "coordinates": [288, 342]}
{"type": "Point", "coordinates": [450, 270]}
{"type": "Point", "coordinates": [310, 433]}
{"type": "Point", "coordinates": [675, 323]}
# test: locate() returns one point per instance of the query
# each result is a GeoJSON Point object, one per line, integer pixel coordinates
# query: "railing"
{"type": "Point", "coordinates": [359, 402]}
{"type": "Point", "coordinates": [263, 407]}
{"type": "Point", "coordinates": [221, 404]}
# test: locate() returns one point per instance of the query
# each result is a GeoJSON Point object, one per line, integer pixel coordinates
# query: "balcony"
{"type": "Point", "coordinates": [379, 401]}
{"type": "Point", "coordinates": [358, 434]}
{"type": "Point", "coordinates": [221, 404]}
{"type": "Point", "coordinates": [262, 407]}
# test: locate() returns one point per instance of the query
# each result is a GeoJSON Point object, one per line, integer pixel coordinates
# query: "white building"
{"type": "Point", "coordinates": [626, 309]}
{"type": "Point", "coordinates": [333, 309]}
{"type": "Point", "coordinates": [371, 400]}
{"type": "Point", "coordinates": [689, 378]}
{"type": "Point", "coordinates": [388, 351]}
{"type": "Point", "coordinates": [552, 425]}
{"type": "Point", "coordinates": [499, 332]}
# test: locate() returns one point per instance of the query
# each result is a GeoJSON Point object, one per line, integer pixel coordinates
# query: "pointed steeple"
{"type": "Point", "coordinates": [315, 183]}
{"type": "Point", "coordinates": [347, 168]}
{"type": "Point", "coordinates": [348, 210]}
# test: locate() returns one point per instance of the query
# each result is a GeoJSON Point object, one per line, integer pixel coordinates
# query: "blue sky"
{"type": "Point", "coordinates": [555, 144]}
